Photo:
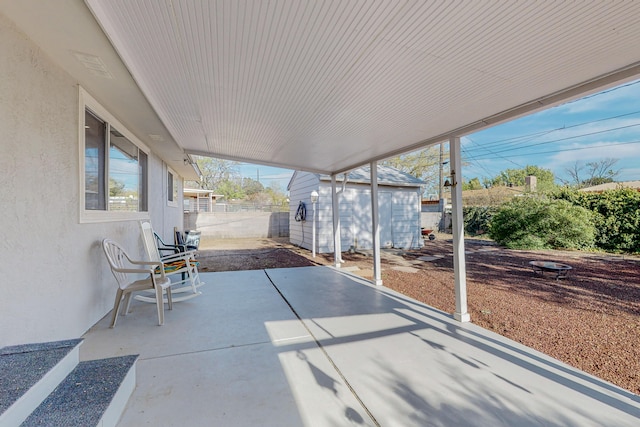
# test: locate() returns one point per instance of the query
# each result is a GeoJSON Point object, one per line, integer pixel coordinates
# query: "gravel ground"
{"type": "Point", "coordinates": [590, 319]}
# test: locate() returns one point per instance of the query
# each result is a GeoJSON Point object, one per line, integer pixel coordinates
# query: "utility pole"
{"type": "Point", "coordinates": [441, 188]}
{"type": "Point", "coordinates": [441, 163]}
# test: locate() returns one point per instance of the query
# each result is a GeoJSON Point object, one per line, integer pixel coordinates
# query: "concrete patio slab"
{"type": "Point", "coordinates": [232, 311]}
{"type": "Point", "coordinates": [412, 365]}
{"type": "Point", "coordinates": [315, 346]}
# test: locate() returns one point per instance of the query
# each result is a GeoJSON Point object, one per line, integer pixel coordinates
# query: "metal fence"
{"type": "Point", "coordinates": [247, 207]}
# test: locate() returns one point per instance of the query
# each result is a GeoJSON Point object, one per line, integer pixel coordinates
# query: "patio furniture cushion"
{"type": "Point", "coordinates": [176, 265]}
{"type": "Point", "coordinates": [181, 262]}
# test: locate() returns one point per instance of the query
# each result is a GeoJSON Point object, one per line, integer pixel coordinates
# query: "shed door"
{"type": "Point", "coordinates": [385, 209]}
{"type": "Point", "coordinates": [346, 222]}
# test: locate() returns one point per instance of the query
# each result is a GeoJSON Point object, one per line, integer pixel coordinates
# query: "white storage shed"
{"type": "Point", "coordinates": [399, 196]}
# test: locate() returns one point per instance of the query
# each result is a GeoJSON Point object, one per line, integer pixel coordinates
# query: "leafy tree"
{"type": "Point", "coordinates": [232, 189]}
{"type": "Point", "coordinates": [486, 182]}
{"type": "Point", "coordinates": [516, 177]}
{"type": "Point", "coordinates": [251, 187]}
{"type": "Point", "coordinates": [531, 223]}
{"type": "Point", "coordinates": [472, 184]}
{"type": "Point", "coordinates": [116, 188]}
{"type": "Point", "coordinates": [276, 194]}
{"type": "Point", "coordinates": [592, 173]}
{"type": "Point", "coordinates": [215, 172]}
{"type": "Point", "coordinates": [423, 164]}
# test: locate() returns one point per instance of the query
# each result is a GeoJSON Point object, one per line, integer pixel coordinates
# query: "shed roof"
{"type": "Point", "coordinates": [387, 175]}
{"type": "Point", "coordinates": [193, 192]}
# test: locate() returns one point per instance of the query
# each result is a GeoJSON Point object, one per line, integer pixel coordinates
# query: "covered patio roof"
{"type": "Point", "coordinates": [328, 86]}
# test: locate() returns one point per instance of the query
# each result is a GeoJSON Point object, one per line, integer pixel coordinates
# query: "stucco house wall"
{"type": "Point", "coordinates": [399, 210]}
{"type": "Point", "coordinates": [56, 282]}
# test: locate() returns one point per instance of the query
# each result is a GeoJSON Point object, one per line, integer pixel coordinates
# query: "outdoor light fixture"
{"type": "Point", "coordinates": [314, 199]}
{"type": "Point", "coordinates": [452, 182]}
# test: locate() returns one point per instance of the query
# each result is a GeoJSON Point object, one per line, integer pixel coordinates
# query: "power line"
{"type": "Point", "coordinates": [490, 152]}
{"type": "Point", "coordinates": [507, 144]}
{"type": "Point", "coordinates": [517, 139]}
{"type": "Point", "coordinates": [480, 165]}
{"type": "Point", "coordinates": [558, 140]}
{"type": "Point", "coordinates": [605, 91]}
{"type": "Point", "coordinates": [589, 147]}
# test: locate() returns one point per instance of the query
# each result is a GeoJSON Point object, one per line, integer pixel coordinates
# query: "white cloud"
{"type": "Point", "coordinates": [596, 151]}
{"type": "Point", "coordinates": [629, 174]}
{"type": "Point", "coordinates": [278, 176]}
{"type": "Point", "coordinates": [613, 98]}
{"type": "Point", "coordinates": [626, 154]}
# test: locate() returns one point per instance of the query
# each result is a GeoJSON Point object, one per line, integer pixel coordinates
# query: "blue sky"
{"type": "Point", "coordinates": [602, 125]}
{"type": "Point", "coordinates": [267, 175]}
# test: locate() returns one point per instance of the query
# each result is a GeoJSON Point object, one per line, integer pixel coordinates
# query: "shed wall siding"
{"type": "Point", "coordinates": [406, 219]}
{"type": "Point", "coordinates": [399, 208]}
{"type": "Point", "coordinates": [301, 187]}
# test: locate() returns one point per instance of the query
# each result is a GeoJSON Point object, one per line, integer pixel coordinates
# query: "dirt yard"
{"type": "Point", "coordinates": [590, 320]}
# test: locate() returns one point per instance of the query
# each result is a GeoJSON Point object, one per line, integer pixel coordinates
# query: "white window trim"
{"type": "Point", "coordinates": [174, 203]}
{"type": "Point", "coordinates": [86, 101]}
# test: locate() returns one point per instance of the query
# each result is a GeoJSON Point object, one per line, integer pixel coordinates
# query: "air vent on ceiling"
{"type": "Point", "coordinates": [94, 64]}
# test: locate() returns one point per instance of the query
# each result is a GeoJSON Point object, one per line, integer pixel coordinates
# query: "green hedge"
{"type": "Point", "coordinates": [533, 223]}
{"type": "Point", "coordinates": [477, 218]}
{"type": "Point", "coordinates": [617, 216]}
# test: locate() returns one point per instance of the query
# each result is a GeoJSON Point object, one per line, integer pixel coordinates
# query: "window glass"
{"type": "Point", "coordinates": [175, 190]}
{"type": "Point", "coordinates": [124, 173]}
{"type": "Point", "coordinates": [142, 181]}
{"type": "Point", "coordinates": [115, 169]}
{"type": "Point", "coordinates": [170, 186]}
{"type": "Point", "coordinates": [172, 189]}
{"type": "Point", "coordinates": [94, 155]}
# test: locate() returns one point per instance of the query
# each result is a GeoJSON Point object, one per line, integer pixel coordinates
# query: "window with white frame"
{"type": "Point", "coordinates": [114, 167]}
{"type": "Point", "coordinates": [172, 188]}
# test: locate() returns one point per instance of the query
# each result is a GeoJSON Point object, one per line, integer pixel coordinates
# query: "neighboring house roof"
{"type": "Point", "coordinates": [612, 186]}
{"type": "Point", "coordinates": [193, 192]}
{"type": "Point", "coordinates": [490, 196]}
{"type": "Point", "coordinates": [386, 176]}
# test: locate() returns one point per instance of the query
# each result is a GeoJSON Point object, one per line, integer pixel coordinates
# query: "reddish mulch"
{"type": "Point", "coordinates": [250, 259]}
{"type": "Point", "coordinates": [590, 320]}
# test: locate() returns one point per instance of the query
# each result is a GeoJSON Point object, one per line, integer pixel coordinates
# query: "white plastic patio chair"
{"type": "Point", "coordinates": [129, 281]}
{"type": "Point", "coordinates": [183, 263]}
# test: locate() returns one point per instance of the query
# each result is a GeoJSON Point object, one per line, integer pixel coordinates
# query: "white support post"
{"type": "Point", "coordinates": [313, 229]}
{"type": "Point", "coordinates": [375, 224]}
{"type": "Point", "coordinates": [337, 248]}
{"type": "Point", "coordinates": [459, 267]}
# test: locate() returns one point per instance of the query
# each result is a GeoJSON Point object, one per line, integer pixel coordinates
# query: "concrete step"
{"type": "Point", "coordinates": [95, 393]}
{"type": "Point", "coordinates": [29, 373]}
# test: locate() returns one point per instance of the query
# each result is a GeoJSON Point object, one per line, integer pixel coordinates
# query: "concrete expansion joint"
{"type": "Point", "coordinates": [208, 350]}
{"type": "Point", "coordinates": [326, 355]}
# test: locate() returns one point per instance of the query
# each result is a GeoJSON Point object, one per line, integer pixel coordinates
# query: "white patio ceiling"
{"type": "Point", "coordinates": [326, 86]}
{"type": "Point", "coordinates": [329, 85]}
